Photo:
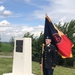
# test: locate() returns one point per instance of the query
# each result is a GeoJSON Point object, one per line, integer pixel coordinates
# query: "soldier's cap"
{"type": "Point", "coordinates": [48, 37]}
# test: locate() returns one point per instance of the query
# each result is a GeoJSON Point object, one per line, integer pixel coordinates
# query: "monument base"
{"type": "Point", "coordinates": [12, 74]}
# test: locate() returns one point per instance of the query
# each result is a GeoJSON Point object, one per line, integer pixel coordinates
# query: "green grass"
{"type": "Point", "coordinates": [58, 70]}
{"type": "Point", "coordinates": [6, 67]}
{"type": "Point", "coordinates": [6, 47]}
{"type": "Point", "coordinates": [64, 71]}
{"type": "Point", "coordinates": [6, 53]}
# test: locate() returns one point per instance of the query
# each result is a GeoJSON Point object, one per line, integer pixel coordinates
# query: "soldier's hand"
{"type": "Point", "coordinates": [41, 66]}
{"type": "Point", "coordinates": [52, 67]}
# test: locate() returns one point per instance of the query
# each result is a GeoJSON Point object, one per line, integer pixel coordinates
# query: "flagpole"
{"type": "Point", "coordinates": [46, 14]}
{"type": "Point", "coordinates": [42, 58]}
{"type": "Point", "coordinates": [41, 71]}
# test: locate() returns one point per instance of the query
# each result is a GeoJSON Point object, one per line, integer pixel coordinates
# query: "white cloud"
{"type": "Point", "coordinates": [4, 26]}
{"type": "Point", "coordinates": [8, 33]}
{"type": "Point", "coordinates": [37, 30]}
{"type": "Point", "coordinates": [56, 9]}
{"type": "Point", "coordinates": [9, 30]}
{"type": "Point", "coordinates": [7, 13]}
{"type": "Point", "coordinates": [62, 21]}
{"type": "Point", "coordinates": [40, 27]}
{"type": "Point", "coordinates": [4, 12]}
{"type": "Point", "coordinates": [3, 29]}
{"type": "Point", "coordinates": [5, 23]}
{"type": "Point", "coordinates": [2, 8]}
{"type": "Point", "coordinates": [27, 29]}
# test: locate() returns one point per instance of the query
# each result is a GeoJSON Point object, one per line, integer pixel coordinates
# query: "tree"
{"type": "Point", "coordinates": [12, 42]}
{"type": "Point", "coordinates": [39, 43]}
{"type": "Point", "coordinates": [28, 34]}
{"type": "Point", "coordinates": [0, 43]}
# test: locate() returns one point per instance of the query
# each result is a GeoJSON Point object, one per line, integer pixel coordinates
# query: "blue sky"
{"type": "Point", "coordinates": [20, 16]}
{"type": "Point", "coordinates": [23, 11]}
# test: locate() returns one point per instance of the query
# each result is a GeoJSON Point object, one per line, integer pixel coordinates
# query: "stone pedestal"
{"type": "Point", "coordinates": [22, 59]}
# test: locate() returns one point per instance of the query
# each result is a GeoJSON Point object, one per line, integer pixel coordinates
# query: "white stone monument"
{"type": "Point", "coordinates": [22, 59]}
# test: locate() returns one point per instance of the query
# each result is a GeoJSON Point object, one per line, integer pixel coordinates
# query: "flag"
{"type": "Point", "coordinates": [59, 39]}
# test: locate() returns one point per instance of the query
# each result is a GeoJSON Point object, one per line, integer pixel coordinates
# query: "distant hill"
{"type": "Point", "coordinates": [6, 47]}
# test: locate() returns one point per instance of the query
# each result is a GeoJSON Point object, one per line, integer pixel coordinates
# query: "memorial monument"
{"type": "Point", "coordinates": [22, 58]}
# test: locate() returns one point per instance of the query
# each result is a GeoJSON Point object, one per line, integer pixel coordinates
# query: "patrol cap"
{"type": "Point", "coordinates": [48, 37]}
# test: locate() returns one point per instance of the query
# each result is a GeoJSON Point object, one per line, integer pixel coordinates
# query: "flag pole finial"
{"type": "Point", "coordinates": [46, 14]}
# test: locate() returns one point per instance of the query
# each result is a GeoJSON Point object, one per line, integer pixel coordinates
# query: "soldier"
{"type": "Point", "coordinates": [49, 57]}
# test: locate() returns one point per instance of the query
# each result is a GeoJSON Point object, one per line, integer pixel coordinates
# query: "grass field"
{"type": "Point", "coordinates": [6, 53]}
{"type": "Point", "coordinates": [6, 47]}
{"type": "Point", "coordinates": [6, 67]}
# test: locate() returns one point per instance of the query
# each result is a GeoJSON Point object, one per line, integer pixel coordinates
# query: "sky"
{"type": "Point", "coordinates": [20, 16]}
